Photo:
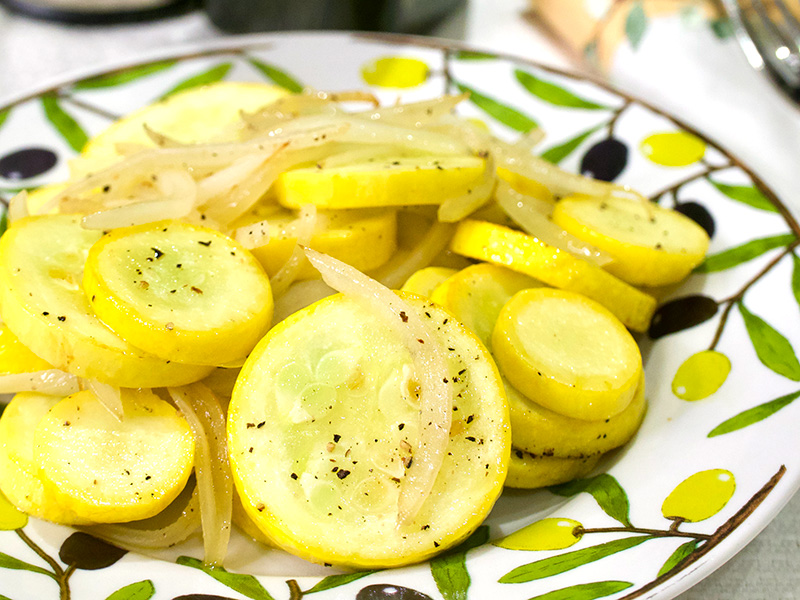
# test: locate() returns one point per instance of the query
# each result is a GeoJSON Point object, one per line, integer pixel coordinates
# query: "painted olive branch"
{"type": "Point", "coordinates": [101, 112]}
{"type": "Point", "coordinates": [673, 188]}
{"type": "Point", "coordinates": [731, 300]}
{"type": "Point", "coordinates": [652, 532]}
{"type": "Point", "coordinates": [617, 114]}
{"type": "Point", "coordinates": [722, 532]}
{"type": "Point", "coordinates": [61, 576]}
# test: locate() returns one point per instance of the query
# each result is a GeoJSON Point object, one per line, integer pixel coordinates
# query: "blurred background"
{"type": "Point", "coordinates": [678, 54]}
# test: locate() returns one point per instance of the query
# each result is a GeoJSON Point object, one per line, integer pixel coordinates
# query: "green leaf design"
{"type": "Point", "coordinates": [449, 570]}
{"type": "Point", "coordinates": [277, 76]}
{"type": "Point", "coordinates": [558, 153]}
{"type": "Point", "coordinates": [606, 491]}
{"type": "Point", "coordinates": [553, 94]}
{"type": "Point", "coordinates": [120, 77]}
{"type": "Point", "coordinates": [733, 257]}
{"type": "Point", "coordinates": [773, 350]}
{"type": "Point", "coordinates": [547, 567]}
{"type": "Point", "coordinates": [4, 115]}
{"type": "Point", "coordinates": [677, 557]}
{"type": "Point", "coordinates": [9, 562]}
{"type": "Point", "coordinates": [247, 585]}
{"type": "Point", "coordinates": [753, 415]}
{"type": "Point", "coordinates": [746, 194]}
{"type": "Point", "coordinates": [721, 28]}
{"type": "Point", "coordinates": [333, 581]}
{"type": "Point", "coordinates": [796, 277]}
{"type": "Point", "coordinates": [505, 114]}
{"type": "Point", "coordinates": [472, 55]}
{"type": "Point", "coordinates": [586, 591]}
{"type": "Point", "coordinates": [3, 222]}
{"type": "Point", "coordinates": [68, 127]}
{"type": "Point", "coordinates": [213, 75]}
{"type": "Point", "coordinates": [141, 590]}
{"type": "Point", "coordinates": [636, 24]}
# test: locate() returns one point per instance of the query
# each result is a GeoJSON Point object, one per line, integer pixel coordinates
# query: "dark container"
{"type": "Point", "coordinates": [82, 12]}
{"type": "Point", "coordinates": [405, 16]}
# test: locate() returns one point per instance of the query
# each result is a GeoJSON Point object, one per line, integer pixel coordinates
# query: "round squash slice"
{"type": "Point", "coordinates": [323, 426]}
{"type": "Point", "coordinates": [109, 471]}
{"type": "Point", "coordinates": [44, 305]}
{"type": "Point", "coordinates": [568, 352]}
{"type": "Point", "coordinates": [181, 292]}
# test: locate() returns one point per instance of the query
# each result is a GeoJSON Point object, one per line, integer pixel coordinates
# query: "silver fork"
{"type": "Point", "coordinates": [770, 41]}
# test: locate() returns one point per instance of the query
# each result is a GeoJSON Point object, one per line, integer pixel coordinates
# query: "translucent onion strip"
{"type": "Point", "coordinates": [303, 227]}
{"type": "Point", "coordinates": [455, 209]}
{"type": "Point", "coordinates": [299, 295]}
{"type": "Point", "coordinates": [254, 235]}
{"type": "Point", "coordinates": [394, 273]}
{"type": "Point", "coordinates": [108, 395]}
{"type": "Point", "coordinates": [533, 215]}
{"type": "Point", "coordinates": [203, 412]}
{"type": "Point", "coordinates": [172, 526]}
{"type": "Point", "coordinates": [414, 114]}
{"type": "Point", "coordinates": [430, 368]}
{"type": "Point", "coordinates": [222, 181]}
{"type": "Point", "coordinates": [51, 381]}
{"type": "Point", "coordinates": [18, 207]}
{"type": "Point", "coordinates": [179, 193]}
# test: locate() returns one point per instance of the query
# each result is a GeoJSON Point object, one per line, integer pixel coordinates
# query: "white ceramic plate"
{"type": "Point", "coordinates": [731, 453]}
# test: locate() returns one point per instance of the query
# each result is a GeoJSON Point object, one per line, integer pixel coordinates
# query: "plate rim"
{"type": "Point", "coordinates": [772, 505]}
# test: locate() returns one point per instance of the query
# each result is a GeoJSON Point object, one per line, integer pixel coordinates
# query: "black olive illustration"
{"type": "Point", "coordinates": [201, 597]}
{"type": "Point", "coordinates": [605, 160]}
{"type": "Point", "coordinates": [87, 552]}
{"type": "Point", "coordinates": [386, 591]}
{"type": "Point", "coordinates": [680, 314]}
{"type": "Point", "coordinates": [699, 214]}
{"type": "Point", "coordinates": [26, 163]}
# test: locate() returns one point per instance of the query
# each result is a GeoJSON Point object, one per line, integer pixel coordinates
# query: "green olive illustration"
{"type": "Point", "coordinates": [699, 496]}
{"type": "Point", "coordinates": [547, 534]}
{"type": "Point", "coordinates": [701, 375]}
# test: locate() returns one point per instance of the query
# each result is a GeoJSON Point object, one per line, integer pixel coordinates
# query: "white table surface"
{"type": "Point", "coordinates": [34, 52]}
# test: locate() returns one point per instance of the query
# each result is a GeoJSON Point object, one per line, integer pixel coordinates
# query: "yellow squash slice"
{"type": "Point", "coordinates": [568, 353]}
{"type": "Point", "coordinates": [323, 424]}
{"type": "Point", "coordinates": [110, 471]}
{"type": "Point", "coordinates": [526, 254]}
{"type": "Point", "coordinates": [476, 295]}
{"type": "Point", "coordinates": [19, 473]}
{"type": "Point", "coordinates": [364, 239]}
{"type": "Point", "coordinates": [181, 292]}
{"type": "Point", "coordinates": [530, 471]}
{"type": "Point", "coordinates": [650, 245]}
{"type": "Point", "coordinates": [424, 281]}
{"type": "Point", "coordinates": [15, 356]}
{"type": "Point", "coordinates": [400, 181]}
{"type": "Point", "coordinates": [43, 304]}
{"type": "Point", "coordinates": [543, 432]}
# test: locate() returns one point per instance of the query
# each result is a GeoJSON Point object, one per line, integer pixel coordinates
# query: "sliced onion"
{"type": "Point", "coordinates": [108, 395]}
{"type": "Point", "coordinates": [533, 215]}
{"type": "Point", "coordinates": [254, 235]}
{"type": "Point", "coordinates": [304, 227]}
{"type": "Point", "coordinates": [459, 207]}
{"type": "Point", "coordinates": [430, 368]}
{"type": "Point", "coordinates": [414, 114]}
{"type": "Point", "coordinates": [224, 180]}
{"type": "Point", "coordinates": [171, 526]}
{"type": "Point", "coordinates": [299, 295]}
{"type": "Point", "coordinates": [404, 263]}
{"type": "Point", "coordinates": [18, 207]}
{"type": "Point", "coordinates": [161, 140]}
{"type": "Point", "coordinates": [51, 381]}
{"type": "Point", "coordinates": [203, 412]}
{"type": "Point", "coordinates": [180, 194]}
{"type": "Point", "coordinates": [200, 157]}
